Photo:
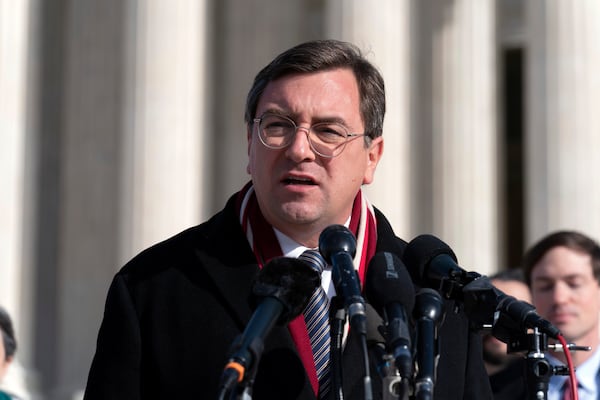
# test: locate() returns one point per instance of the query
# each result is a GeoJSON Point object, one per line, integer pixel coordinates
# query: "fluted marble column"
{"type": "Point", "coordinates": [563, 125]}
{"type": "Point", "coordinates": [87, 89]}
{"type": "Point", "coordinates": [382, 30]}
{"type": "Point", "coordinates": [249, 34]}
{"type": "Point", "coordinates": [130, 160]}
{"type": "Point", "coordinates": [166, 122]}
{"type": "Point", "coordinates": [14, 36]}
{"type": "Point", "coordinates": [464, 140]}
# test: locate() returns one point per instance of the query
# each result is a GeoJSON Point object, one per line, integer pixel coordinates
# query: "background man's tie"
{"type": "Point", "coordinates": [316, 316]}
{"type": "Point", "coordinates": [567, 395]}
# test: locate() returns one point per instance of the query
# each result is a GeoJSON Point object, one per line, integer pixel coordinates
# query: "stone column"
{"type": "Point", "coordinates": [383, 31]}
{"type": "Point", "coordinates": [14, 36]}
{"type": "Point", "coordinates": [463, 138]}
{"type": "Point", "coordinates": [130, 158]}
{"type": "Point", "coordinates": [248, 35]}
{"type": "Point", "coordinates": [86, 94]}
{"type": "Point", "coordinates": [563, 126]}
{"type": "Point", "coordinates": [165, 122]}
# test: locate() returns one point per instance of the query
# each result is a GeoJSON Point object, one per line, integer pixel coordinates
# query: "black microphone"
{"type": "Point", "coordinates": [428, 314]}
{"type": "Point", "coordinates": [433, 262]}
{"type": "Point", "coordinates": [390, 290]}
{"type": "Point", "coordinates": [524, 315]}
{"type": "Point", "coordinates": [435, 265]}
{"type": "Point", "coordinates": [338, 246]}
{"type": "Point", "coordinates": [282, 289]}
{"type": "Point", "coordinates": [393, 387]}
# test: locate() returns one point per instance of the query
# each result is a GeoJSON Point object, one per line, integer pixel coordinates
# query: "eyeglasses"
{"type": "Point", "coordinates": [327, 139]}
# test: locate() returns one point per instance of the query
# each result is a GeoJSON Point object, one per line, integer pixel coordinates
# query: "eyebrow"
{"type": "Point", "coordinates": [294, 116]}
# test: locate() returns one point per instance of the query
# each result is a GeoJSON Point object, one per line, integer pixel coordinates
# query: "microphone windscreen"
{"type": "Point", "coordinates": [289, 280]}
{"type": "Point", "coordinates": [388, 281]}
{"type": "Point", "coordinates": [421, 251]}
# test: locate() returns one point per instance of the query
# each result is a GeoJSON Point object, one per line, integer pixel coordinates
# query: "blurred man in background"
{"type": "Point", "coordinates": [563, 271]}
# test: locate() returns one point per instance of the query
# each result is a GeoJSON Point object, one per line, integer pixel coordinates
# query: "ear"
{"type": "Point", "coordinates": [374, 154]}
{"type": "Point", "coordinates": [249, 138]}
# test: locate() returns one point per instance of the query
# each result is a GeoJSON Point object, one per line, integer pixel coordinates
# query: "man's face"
{"type": "Point", "coordinates": [566, 293]}
{"type": "Point", "coordinates": [300, 192]}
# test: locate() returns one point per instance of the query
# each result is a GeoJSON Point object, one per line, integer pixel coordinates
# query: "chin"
{"type": "Point", "coordinates": [299, 213]}
{"type": "Point", "coordinates": [571, 335]}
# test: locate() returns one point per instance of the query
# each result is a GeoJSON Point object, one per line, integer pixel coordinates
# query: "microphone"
{"type": "Point", "coordinates": [437, 266]}
{"type": "Point", "coordinates": [392, 385]}
{"type": "Point", "coordinates": [434, 264]}
{"type": "Point", "coordinates": [428, 314]}
{"type": "Point", "coordinates": [390, 290]}
{"type": "Point", "coordinates": [338, 246]}
{"type": "Point", "coordinates": [524, 315]}
{"type": "Point", "coordinates": [282, 289]}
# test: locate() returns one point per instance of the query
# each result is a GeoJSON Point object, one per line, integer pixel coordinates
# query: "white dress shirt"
{"type": "Point", "coordinates": [587, 379]}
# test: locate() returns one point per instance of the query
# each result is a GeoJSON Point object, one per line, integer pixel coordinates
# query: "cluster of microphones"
{"type": "Point", "coordinates": [398, 323]}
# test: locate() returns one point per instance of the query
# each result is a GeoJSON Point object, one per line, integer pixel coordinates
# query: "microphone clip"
{"type": "Point", "coordinates": [453, 286]}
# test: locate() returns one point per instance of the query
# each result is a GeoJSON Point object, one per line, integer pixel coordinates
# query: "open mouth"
{"type": "Point", "coordinates": [298, 181]}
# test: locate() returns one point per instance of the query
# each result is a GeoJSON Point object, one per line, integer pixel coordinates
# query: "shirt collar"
{"type": "Point", "coordinates": [586, 373]}
{"type": "Point", "coordinates": [291, 248]}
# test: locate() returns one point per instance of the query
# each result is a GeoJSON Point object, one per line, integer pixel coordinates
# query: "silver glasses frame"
{"type": "Point", "coordinates": [341, 146]}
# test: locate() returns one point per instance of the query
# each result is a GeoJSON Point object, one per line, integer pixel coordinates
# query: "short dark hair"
{"type": "Point", "coordinates": [8, 334]}
{"type": "Point", "coordinates": [321, 55]}
{"type": "Point", "coordinates": [573, 240]}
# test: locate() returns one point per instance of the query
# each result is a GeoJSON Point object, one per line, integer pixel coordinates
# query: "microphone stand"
{"type": "Point", "coordinates": [367, 379]}
{"type": "Point", "coordinates": [337, 322]}
{"type": "Point", "coordinates": [394, 387]}
{"type": "Point", "coordinates": [538, 368]}
{"type": "Point", "coordinates": [480, 299]}
{"type": "Point", "coordinates": [428, 313]}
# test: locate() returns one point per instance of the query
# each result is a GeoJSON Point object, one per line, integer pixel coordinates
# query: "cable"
{"type": "Point", "coordinates": [571, 367]}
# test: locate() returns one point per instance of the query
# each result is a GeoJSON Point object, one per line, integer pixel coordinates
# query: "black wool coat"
{"type": "Point", "coordinates": [173, 312]}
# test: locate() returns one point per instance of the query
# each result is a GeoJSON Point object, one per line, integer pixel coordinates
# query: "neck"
{"type": "Point", "coordinates": [581, 356]}
{"type": "Point", "coordinates": [307, 236]}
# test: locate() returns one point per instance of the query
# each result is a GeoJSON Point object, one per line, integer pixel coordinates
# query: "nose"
{"type": "Point", "coordinates": [300, 148]}
{"type": "Point", "coordinates": [561, 293]}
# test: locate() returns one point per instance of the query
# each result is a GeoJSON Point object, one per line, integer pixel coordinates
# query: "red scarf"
{"type": "Point", "coordinates": [265, 245]}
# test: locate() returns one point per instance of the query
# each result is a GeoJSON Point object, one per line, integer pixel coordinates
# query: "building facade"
{"type": "Point", "coordinates": [122, 124]}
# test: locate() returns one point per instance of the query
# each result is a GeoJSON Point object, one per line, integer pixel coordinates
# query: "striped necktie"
{"type": "Point", "coordinates": [316, 315]}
